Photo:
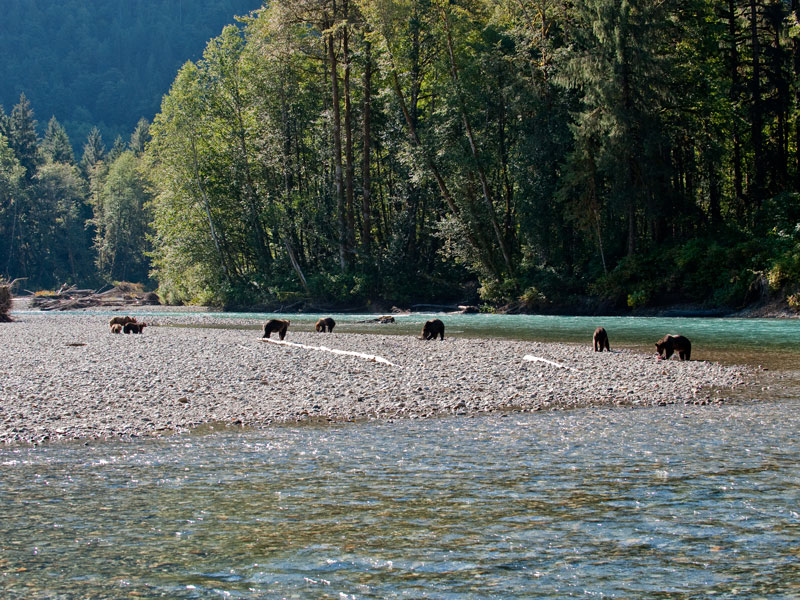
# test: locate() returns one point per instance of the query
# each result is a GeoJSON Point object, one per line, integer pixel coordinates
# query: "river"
{"type": "Point", "coordinates": [670, 502]}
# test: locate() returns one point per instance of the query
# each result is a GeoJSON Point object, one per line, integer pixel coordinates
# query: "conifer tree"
{"type": "Point", "coordinates": [140, 137]}
{"type": "Point", "coordinates": [22, 136]}
{"type": "Point", "coordinates": [618, 66]}
{"type": "Point", "coordinates": [94, 150]}
{"type": "Point", "coordinates": [55, 145]}
{"type": "Point", "coordinates": [116, 150]}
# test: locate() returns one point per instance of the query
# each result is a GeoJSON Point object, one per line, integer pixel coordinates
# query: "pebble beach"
{"type": "Point", "coordinates": [67, 377]}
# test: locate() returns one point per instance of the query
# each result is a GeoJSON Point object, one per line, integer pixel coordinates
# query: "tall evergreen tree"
{"type": "Point", "coordinates": [55, 145]}
{"type": "Point", "coordinates": [140, 137]}
{"type": "Point", "coordinates": [619, 65]}
{"type": "Point", "coordinates": [11, 193]}
{"type": "Point", "coordinates": [22, 136]}
{"type": "Point", "coordinates": [116, 150]}
{"type": "Point", "coordinates": [94, 150]}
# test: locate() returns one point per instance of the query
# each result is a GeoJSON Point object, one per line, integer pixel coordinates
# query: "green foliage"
{"type": "Point", "coordinates": [122, 220]}
{"type": "Point", "coordinates": [638, 299]}
{"type": "Point", "coordinates": [409, 151]}
{"type": "Point", "coordinates": [713, 272]}
{"type": "Point", "coordinates": [533, 299]}
{"type": "Point", "coordinates": [507, 290]}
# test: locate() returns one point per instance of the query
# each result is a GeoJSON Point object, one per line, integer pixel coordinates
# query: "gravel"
{"type": "Point", "coordinates": [65, 376]}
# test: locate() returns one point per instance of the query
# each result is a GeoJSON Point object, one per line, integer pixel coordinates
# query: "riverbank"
{"type": "Point", "coordinates": [66, 376]}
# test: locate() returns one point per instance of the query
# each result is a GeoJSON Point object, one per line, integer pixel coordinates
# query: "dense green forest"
{"type": "Point", "coordinates": [102, 63]}
{"type": "Point", "coordinates": [570, 155]}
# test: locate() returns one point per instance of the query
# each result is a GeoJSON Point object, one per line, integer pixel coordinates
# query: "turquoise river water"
{"type": "Point", "coordinates": [670, 502]}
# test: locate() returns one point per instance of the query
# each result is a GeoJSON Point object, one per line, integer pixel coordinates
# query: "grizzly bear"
{"type": "Point", "coordinates": [385, 319]}
{"type": "Point", "coordinates": [325, 324]}
{"type": "Point", "coordinates": [279, 325]}
{"type": "Point", "coordinates": [116, 328]}
{"type": "Point", "coordinates": [133, 327]}
{"type": "Point", "coordinates": [600, 339]}
{"type": "Point", "coordinates": [121, 321]}
{"type": "Point", "coordinates": [669, 344]}
{"type": "Point", "coordinates": [433, 328]}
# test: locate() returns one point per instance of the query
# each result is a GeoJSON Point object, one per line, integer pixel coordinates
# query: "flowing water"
{"type": "Point", "coordinates": [672, 502]}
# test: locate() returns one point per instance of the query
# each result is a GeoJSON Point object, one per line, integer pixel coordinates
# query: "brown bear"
{"type": "Point", "coordinates": [116, 328]}
{"type": "Point", "coordinates": [133, 327]}
{"type": "Point", "coordinates": [325, 324]}
{"type": "Point", "coordinates": [669, 344]}
{"type": "Point", "coordinates": [600, 339]}
{"type": "Point", "coordinates": [433, 328]}
{"type": "Point", "coordinates": [385, 319]}
{"type": "Point", "coordinates": [279, 325]}
{"type": "Point", "coordinates": [121, 321]}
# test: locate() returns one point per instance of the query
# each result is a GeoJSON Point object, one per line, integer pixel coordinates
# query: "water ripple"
{"type": "Point", "coordinates": [672, 503]}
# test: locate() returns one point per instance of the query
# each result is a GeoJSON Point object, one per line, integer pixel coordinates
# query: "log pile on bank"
{"type": "Point", "coordinates": [71, 298]}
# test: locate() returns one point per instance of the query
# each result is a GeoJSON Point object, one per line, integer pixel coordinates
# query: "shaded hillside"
{"type": "Point", "coordinates": [99, 62]}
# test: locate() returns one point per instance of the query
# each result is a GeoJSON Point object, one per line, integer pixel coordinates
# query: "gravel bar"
{"type": "Point", "coordinates": [65, 376]}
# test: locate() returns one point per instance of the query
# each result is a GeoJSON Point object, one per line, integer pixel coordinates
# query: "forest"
{"type": "Point", "coordinates": [102, 63]}
{"type": "Point", "coordinates": [541, 155]}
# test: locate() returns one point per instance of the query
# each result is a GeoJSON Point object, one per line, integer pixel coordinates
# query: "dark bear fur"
{"type": "Point", "coordinates": [325, 324]}
{"type": "Point", "coordinates": [133, 327]}
{"type": "Point", "coordinates": [669, 344]}
{"type": "Point", "coordinates": [273, 325]}
{"type": "Point", "coordinates": [385, 319]}
{"type": "Point", "coordinates": [600, 339]}
{"type": "Point", "coordinates": [433, 328]}
{"type": "Point", "coordinates": [121, 321]}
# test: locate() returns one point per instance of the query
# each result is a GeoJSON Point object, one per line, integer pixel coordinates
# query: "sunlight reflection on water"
{"type": "Point", "coordinates": [590, 502]}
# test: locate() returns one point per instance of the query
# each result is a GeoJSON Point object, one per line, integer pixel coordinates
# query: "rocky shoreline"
{"type": "Point", "coordinates": [66, 377]}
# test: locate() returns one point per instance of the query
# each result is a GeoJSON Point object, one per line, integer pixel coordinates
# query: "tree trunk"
{"type": "Point", "coordinates": [337, 156]}
{"type": "Point", "coordinates": [296, 265]}
{"type": "Point", "coordinates": [796, 107]}
{"type": "Point", "coordinates": [733, 95]}
{"type": "Point", "coordinates": [756, 112]}
{"type": "Point", "coordinates": [348, 136]}
{"type": "Point", "coordinates": [366, 210]}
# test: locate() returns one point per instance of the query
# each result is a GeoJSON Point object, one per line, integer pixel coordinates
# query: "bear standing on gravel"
{"type": "Point", "coordinates": [133, 327]}
{"type": "Point", "coordinates": [273, 325]}
{"type": "Point", "coordinates": [600, 339]}
{"type": "Point", "coordinates": [670, 344]}
{"type": "Point", "coordinates": [433, 328]}
{"type": "Point", "coordinates": [325, 324]}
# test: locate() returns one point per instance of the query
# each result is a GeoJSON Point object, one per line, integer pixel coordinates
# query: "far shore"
{"type": "Point", "coordinates": [66, 377]}
{"type": "Point", "coordinates": [776, 309]}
